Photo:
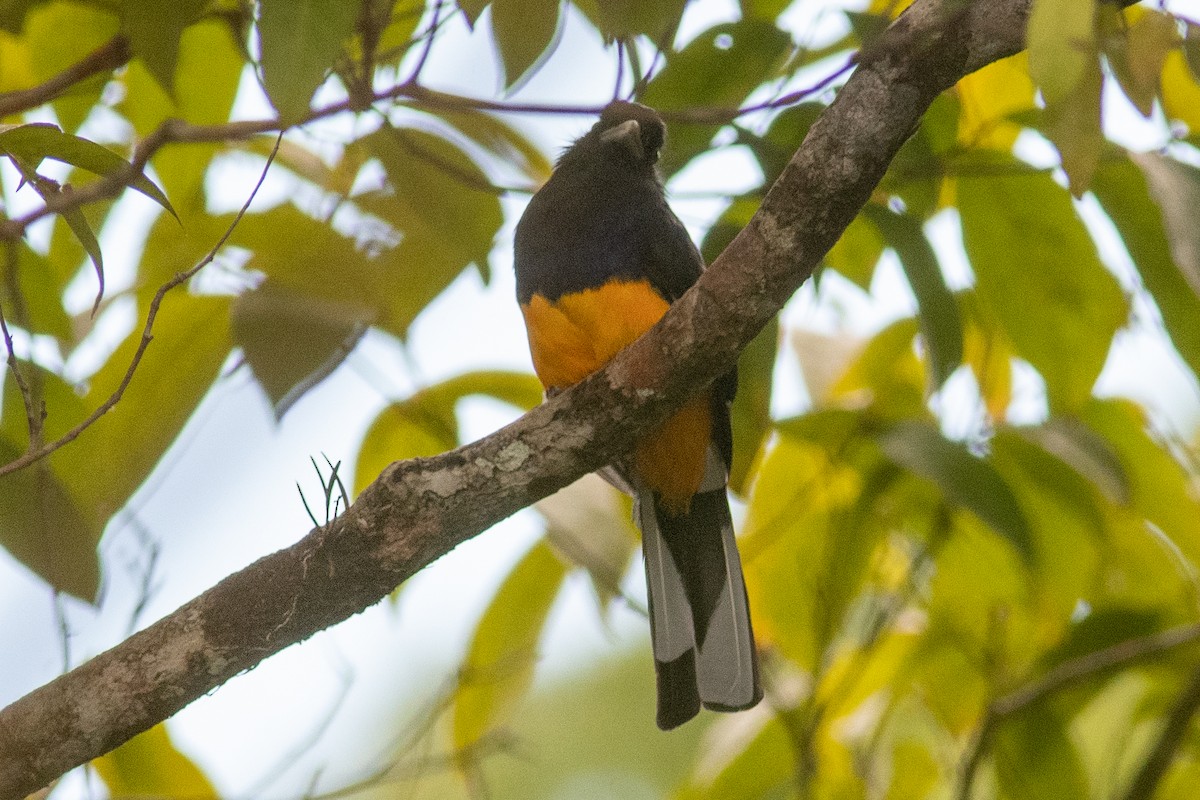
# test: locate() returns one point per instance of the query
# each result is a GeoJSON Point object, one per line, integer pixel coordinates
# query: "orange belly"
{"type": "Point", "coordinates": [579, 333]}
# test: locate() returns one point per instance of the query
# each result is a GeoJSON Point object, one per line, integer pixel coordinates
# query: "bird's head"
{"type": "Point", "coordinates": [633, 131]}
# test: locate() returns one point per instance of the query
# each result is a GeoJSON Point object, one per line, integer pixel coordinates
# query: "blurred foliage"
{"type": "Point", "coordinates": [988, 608]}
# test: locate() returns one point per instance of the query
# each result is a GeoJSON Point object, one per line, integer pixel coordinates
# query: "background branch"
{"type": "Point", "coordinates": [418, 510]}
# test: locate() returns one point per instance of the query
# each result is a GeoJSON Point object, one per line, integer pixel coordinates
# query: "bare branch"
{"type": "Point", "coordinates": [35, 454]}
{"type": "Point", "coordinates": [418, 510]}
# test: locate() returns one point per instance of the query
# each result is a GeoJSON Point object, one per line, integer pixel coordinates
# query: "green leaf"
{"type": "Point", "coordinates": [155, 30]}
{"type": "Point", "coordinates": [775, 149]}
{"type": "Point", "coordinates": [207, 74]}
{"type": "Point", "coordinates": [887, 373]}
{"type": "Point", "coordinates": [299, 325]}
{"type": "Point", "coordinates": [501, 139]}
{"type": "Point", "coordinates": [1036, 760]}
{"type": "Point", "coordinates": [300, 40]}
{"type": "Point", "coordinates": [720, 67]}
{"type": "Point", "coordinates": [625, 19]}
{"type": "Point", "coordinates": [1073, 124]}
{"type": "Point", "coordinates": [498, 669]}
{"type": "Point", "coordinates": [1191, 49]}
{"type": "Point", "coordinates": [41, 293]}
{"type": "Point", "coordinates": [1086, 452]}
{"type": "Point", "coordinates": [83, 231]}
{"type": "Point", "coordinates": [60, 34]}
{"type": "Point", "coordinates": [293, 340]}
{"type": "Point", "coordinates": [1143, 223]}
{"type": "Point", "coordinates": [1038, 272]}
{"type": "Point", "coordinates": [810, 532]}
{"type": "Point", "coordinates": [1063, 61]}
{"type": "Point", "coordinates": [526, 33]}
{"type": "Point", "coordinates": [438, 187]}
{"type": "Point", "coordinates": [191, 343]}
{"type": "Point", "coordinates": [471, 9]}
{"type": "Point", "coordinates": [963, 478]}
{"type": "Point", "coordinates": [149, 765]}
{"type": "Point", "coordinates": [856, 252]}
{"type": "Point", "coordinates": [34, 142]}
{"type": "Point", "coordinates": [1066, 522]}
{"type": "Point", "coordinates": [43, 523]}
{"type": "Point", "coordinates": [941, 325]}
{"type": "Point", "coordinates": [426, 424]}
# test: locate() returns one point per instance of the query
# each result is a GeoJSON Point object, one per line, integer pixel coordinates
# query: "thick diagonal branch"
{"type": "Point", "coordinates": [418, 510]}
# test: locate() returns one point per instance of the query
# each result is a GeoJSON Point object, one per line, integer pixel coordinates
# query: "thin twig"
{"type": "Point", "coordinates": [430, 35]}
{"type": "Point", "coordinates": [105, 58]}
{"type": "Point", "coordinates": [33, 413]}
{"type": "Point", "coordinates": [1163, 752]}
{"type": "Point", "coordinates": [178, 131]}
{"type": "Point", "coordinates": [37, 454]}
{"type": "Point", "coordinates": [1090, 664]}
{"type": "Point", "coordinates": [1064, 675]}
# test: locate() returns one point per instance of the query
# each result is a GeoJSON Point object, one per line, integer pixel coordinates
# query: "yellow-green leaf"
{"type": "Point", "coordinates": [1039, 275]}
{"type": "Point", "coordinates": [1035, 759]}
{"type": "Point", "coordinates": [425, 424]}
{"type": "Point", "coordinates": [155, 30]}
{"type": "Point", "coordinates": [43, 523]}
{"type": "Point", "coordinates": [59, 34]}
{"type": "Point", "coordinates": [498, 669]}
{"type": "Point", "coordinates": [625, 19]}
{"type": "Point", "coordinates": [1062, 45]}
{"type": "Point", "coordinates": [1181, 92]}
{"type": "Point", "coordinates": [300, 40]}
{"type": "Point", "coordinates": [1073, 124]}
{"type": "Point", "coordinates": [149, 765]}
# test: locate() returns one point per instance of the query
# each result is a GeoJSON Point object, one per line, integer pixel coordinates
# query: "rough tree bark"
{"type": "Point", "coordinates": [418, 510]}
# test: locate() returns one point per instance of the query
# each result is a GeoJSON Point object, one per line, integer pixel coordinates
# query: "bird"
{"type": "Point", "coordinates": [599, 256]}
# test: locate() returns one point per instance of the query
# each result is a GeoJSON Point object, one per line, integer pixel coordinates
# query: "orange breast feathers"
{"type": "Point", "coordinates": [579, 333]}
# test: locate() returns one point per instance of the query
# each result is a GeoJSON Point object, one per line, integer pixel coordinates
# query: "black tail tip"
{"type": "Point", "coordinates": [678, 700]}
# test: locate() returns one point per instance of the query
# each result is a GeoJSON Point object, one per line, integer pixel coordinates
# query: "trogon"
{"type": "Point", "coordinates": [599, 257]}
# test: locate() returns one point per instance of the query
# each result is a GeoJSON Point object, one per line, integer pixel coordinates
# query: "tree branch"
{"type": "Point", "coordinates": [418, 510]}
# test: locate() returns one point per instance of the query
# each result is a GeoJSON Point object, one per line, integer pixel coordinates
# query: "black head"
{"type": "Point", "coordinates": [630, 132]}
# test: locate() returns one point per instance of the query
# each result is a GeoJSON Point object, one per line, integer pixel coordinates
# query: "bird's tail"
{"type": "Point", "coordinates": [699, 616]}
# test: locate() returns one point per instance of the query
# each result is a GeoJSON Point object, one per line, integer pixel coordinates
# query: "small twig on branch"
{"type": "Point", "coordinates": [430, 35]}
{"type": "Point", "coordinates": [105, 58]}
{"type": "Point", "coordinates": [1154, 768]}
{"type": "Point", "coordinates": [36, 454]}
{"type": "Point", "coordinates": [30, 396]}
{"type": "Point", "coordinates": [1065, 674]}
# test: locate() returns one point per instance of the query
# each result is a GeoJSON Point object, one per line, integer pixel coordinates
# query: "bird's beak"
{"type": "Point", "coordinates": [628, 135]}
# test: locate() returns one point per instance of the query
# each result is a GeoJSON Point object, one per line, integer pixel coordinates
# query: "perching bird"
{"type": "Point", "coordinates": [599, 256]}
